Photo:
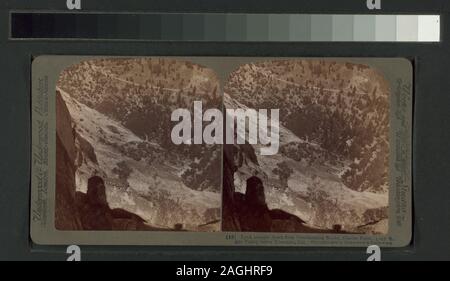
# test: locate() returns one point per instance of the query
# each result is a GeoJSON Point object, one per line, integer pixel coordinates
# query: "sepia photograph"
{"type": "Point", "coordinates": [117, 168]}
{"type": "Point", "coordinates": [330, 174]}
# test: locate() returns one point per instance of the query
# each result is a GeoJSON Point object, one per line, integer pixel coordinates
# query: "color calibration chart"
{"type": "Point", "coordinates": [226, 27]}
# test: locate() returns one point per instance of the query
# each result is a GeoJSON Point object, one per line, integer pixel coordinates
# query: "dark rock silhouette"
{"type": "Point", "coordinates": [94, 210]}
{"type": "Point", "coordinates": [254, 194]}
{"type": "Point", "coordinates": [254, 213]}
{"type": "Point", "coordinates": [96, 214]}
{"type": "Point", "coordinates": [178, 227]}
{"type": "Point", "coordinates": [337, 228]}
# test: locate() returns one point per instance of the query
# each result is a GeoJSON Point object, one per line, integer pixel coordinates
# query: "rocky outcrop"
{"type": "Point", "coordinates": [95, 213]}
{"type": "Point", "coordinates": [249, 212]}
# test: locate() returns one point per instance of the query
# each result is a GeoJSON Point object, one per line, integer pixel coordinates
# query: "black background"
{"type": "Point", "coordinates": [431, 132]}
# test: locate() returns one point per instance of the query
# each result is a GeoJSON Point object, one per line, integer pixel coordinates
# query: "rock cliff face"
{"type": "Point", "coordinates": [66, 214]}
{"type": "Point", "coordinates": [230, 217]}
